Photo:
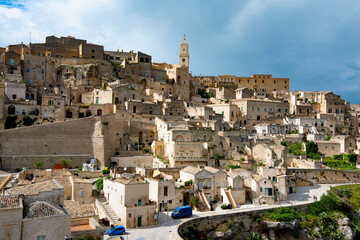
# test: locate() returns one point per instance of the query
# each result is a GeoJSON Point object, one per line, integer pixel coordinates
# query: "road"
{"type": "Point", "coordinates": [167, 226]}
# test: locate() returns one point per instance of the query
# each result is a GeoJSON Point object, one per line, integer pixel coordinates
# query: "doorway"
{"type": "Point", "coordinates": [139, 222]}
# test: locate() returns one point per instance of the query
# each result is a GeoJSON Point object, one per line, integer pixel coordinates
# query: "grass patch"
{"type": "Point", "coordinates": [349, 193]}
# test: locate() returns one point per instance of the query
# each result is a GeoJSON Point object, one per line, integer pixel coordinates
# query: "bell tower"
{"type": "Point", "coordinates": [184, 53]}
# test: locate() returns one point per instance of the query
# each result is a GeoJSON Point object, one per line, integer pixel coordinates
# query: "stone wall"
{"type": "Point", "coordinates": [10, 223]}
{"type": "Point", "coordinates": [325, 176]}
{"type": "Point", "coordinates": [54, 227]}
{"type": "Point", "coordinates": [246, 221]}
{"type": "Point", "coordinates": [22, 147]}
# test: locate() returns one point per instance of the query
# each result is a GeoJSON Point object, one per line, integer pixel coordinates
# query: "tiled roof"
{"type": "Point", "coordinates": [79, 210]}
{"type": "Point", "coordinates": [35, 188]}
{"type": "Point", "coordinates": [43, 209]}
{"type": "Point", "coordinates": [9, 202]}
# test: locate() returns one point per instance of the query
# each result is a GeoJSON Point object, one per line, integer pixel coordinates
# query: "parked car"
{"type": "Point", "coordinates": [180, 212]}
{"type": "Point", "coordinates": [117, 230]}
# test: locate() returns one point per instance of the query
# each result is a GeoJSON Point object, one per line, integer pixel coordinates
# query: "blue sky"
{"type": "Point", "coordinates": [314, 43]}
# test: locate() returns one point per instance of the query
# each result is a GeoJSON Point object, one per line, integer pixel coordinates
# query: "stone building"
{"type": "Point", "coordinates": [128, 196]}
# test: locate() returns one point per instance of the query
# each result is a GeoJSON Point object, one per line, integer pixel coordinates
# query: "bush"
{"type": "Point", "coordinates": [195, 201]}
{"type": "Point", "coordinates": [28, 121]}
{"type": "Point", "coordinates": [282, 214]}
{"type": "Point", "coordinates": [284, 143]}
{"type": "Point", "coordinates": [106, 171]}
{"type": "Point", "coordinates": [188, 183]}
{"type": "Point", "coordinates": [10, 122]}
{"type": "Point", "coordinates": [346, 192]}
{"type": "Point", "coordinates": [233, 166]}
{"type": "Point", "coordinates": [296, 149]}
{"type": "Point", "coordinates": [218, 156]}
{"type": "Point", "coordinates": [38, 164]}
{"type": "Point", "coordinates": [99, 184]}
{"type": "Point", "coordinates": [225, 206]}
{"type": "Point", "coordinates": [65, 162]}
{"type": "Point", "coordinates": [327, 203]}
{"type": "Point", "coordinates": [242, 159]}
{"type": "Point", "coordinates": [146, 150]}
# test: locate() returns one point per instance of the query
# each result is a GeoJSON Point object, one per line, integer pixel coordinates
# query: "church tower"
{"type": "Point", "coordinates": [184, 54]}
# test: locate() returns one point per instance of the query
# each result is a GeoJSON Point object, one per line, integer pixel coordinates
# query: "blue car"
{"type": "Point", "coordinates": [118, 230]}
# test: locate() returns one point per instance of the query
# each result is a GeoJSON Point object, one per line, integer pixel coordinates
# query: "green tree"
{"type": "Point", "coordinates": [38, 164]}
{"type": "Point", "coordinates": [195, 201]}
{"type": "Point", "coordinates": [65, 162]}
{"type": "Point", "coordinates": [10, 122]}
{"type": "Point", "coordinates": [99, 184]}
{"type": "Point", "coordinates": [28, 121]}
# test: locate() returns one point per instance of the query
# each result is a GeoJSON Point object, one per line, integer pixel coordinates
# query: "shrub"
{"type": "Point", "coordinates": [28, 121]}
{"type": "Point", "coordinates": [10, 122]}
{"type": "Point", "coordinates": [296, 149]}
{"type": "Point", "coordinates": [65, 162]}
{"type": "Point", "coordinates": [346, 192]}
{"type": "Point", "coordinates": [218, 156]}
{"type": "Point", "coordinates": [195, 201]}
{"type": "Point", "coordinates": [38, 164]}
{"type": "Point", "coordinates": [188, 183]}
{"type": "Point", "coordinates": [106, 171]}
{"type": "Point", "coordinates": [233, 166]}
{"type": "Point", "coordinates": [284, 143]}
{"type": "Point", "coordinates": [242, 159]}
{"type": "Point", "coordinates": [146, 150]}
{"type": "Point", "coordinates": [99, 184]}
{"type": "Point", "coordinates": [282, 214]}
{"type": "Point", "coordinates": [225, 206]}
{"type": "Point", "coordinates": [327, 203]}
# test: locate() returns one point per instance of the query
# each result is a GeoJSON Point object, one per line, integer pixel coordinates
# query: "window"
{"type": "Point", "coordinates": [12, 62]}
{"type": "Point", "coordinates": [258, 109]}
{"type": "Point", "coordinates": [27, 69]}
{"type": "Point", "coordinates": [252, 108]}
{"type": "Point", "coordinates": [14, 96]}
{"type": "Point", "coordinates": [50, 103]}
{"type": "Point", "coordinates": [183, 60]}
{"type": "Point", "coordinates": [279, 110]}
{"type": "Point", "coordinates": [232, 113]}
{"type": "Point", "coordinates": [41, 238]}
{"type": "Point", "coordinates": [261, 189]}
{"type": "Point", "coordinates": [241, 108]}
{"type": "Point", "coordinates": [165, 191]}
{"type": "Point", "coordinates": [28, 61]}
{"type": "Point", "coordinates": [82, 194]}
{"type": "Point", "coordinates": [139, 202]}
{"type": "Point", "coordinates": [268, 191]}
{"type": "Point", "coordinates": [117, 58]}
{"type": "Point", "coordinates": [265, 109]}
{"type": "Point", "coordinates": [93, 51]}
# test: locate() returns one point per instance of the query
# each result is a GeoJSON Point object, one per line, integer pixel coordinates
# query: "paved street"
{"type": "Point", "coordinates": [167, 225]}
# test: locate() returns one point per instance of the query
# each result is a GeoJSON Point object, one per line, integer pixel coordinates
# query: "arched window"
{"type": "Point", "coordinates": [11, 109]}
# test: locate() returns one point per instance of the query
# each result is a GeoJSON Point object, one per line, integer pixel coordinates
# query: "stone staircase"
{"type": "Point", "coordinates": [109, 212]}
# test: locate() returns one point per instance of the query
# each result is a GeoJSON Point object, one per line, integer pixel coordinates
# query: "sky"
{"type": "Point", "coordinates": [314, 43]}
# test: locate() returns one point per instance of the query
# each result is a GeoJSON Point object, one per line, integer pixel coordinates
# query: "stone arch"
{"type": "Point", "coordinates": [141, 59]}
{"type": "Point", "coordinates": [179, 138]}
{"type": "Point", "coordinates": [255, 87]}
{"type": "Point", "coordinates": [11, 109]}
{"type": "Point", "coordinates": [88, 113]}
{"type": "Point", "coordinates": [178, 79]}
{"type": "Point", "coordinates": [32, 96]}
{"type": "Point", "coordinates": [159, 151]}
{"type": "Point", "coordinates": [258, 118]}
{"type": "Point", "coordinates": [147, 59]}
{"type": "Point", "coordinates": [27, 96]}
{"type": "Point", "coordinates": [69, 113]}
{"type": "Point", "coordinates": [99, 112]}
